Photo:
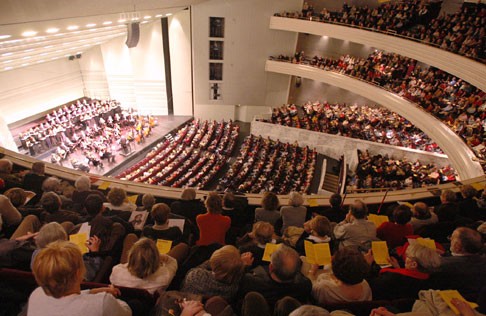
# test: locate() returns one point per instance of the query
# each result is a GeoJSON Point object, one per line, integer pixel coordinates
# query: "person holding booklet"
{"type": "Point", "coordinates": [161, 229]}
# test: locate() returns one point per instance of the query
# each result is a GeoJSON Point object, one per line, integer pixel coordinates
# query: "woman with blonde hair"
{"type": "Point", "coordinates": [293, 214]}
{"type": "Point", "coordinates": [220, 275]}
{"type": "Point", "coordinates": [59, 271]}
{"type": "Point", "coordinates": [146, 268]}
{"type": "Point", "coordinates": [255, 242]}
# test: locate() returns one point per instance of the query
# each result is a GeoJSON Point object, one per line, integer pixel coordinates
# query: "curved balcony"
{"type": "Point", "coordinates": [460, 155]}
{"type": "Point", "coordinates": [462, 67]}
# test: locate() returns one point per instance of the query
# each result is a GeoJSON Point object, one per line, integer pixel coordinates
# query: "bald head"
{"type": "Point", "coordinates": [285, 264]}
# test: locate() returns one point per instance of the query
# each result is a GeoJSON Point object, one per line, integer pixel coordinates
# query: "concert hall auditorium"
{"type": "Point", "coordinates": [243, 157]}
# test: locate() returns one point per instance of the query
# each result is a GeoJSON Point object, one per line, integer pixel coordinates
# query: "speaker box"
{"type": "Point", "coordinates": [133, 34]}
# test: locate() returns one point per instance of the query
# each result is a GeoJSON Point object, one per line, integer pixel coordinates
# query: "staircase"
{"type": "Point", "coordinates": [331, 183]}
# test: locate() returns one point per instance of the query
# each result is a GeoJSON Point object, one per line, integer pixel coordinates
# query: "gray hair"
{"type": "Point", "coordinates": [6, 165]}
{"type": "Point", "coordinates": [50, 232]}
{"type": "Point", "coordinates": [428, 259]}
{"type": "Point", "coordinates": [82, 183]}
{"type": "Point", "coordinates": [310, 310]}
{"type": "Point", "coordinates": [51, 184]}
{"type": "Point", "coordinates": [296, 199]}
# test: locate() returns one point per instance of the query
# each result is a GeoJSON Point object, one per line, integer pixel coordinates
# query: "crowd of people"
{"type": "Point", "coordinates": [266, 165]}
{"type": "Point", "coordinates": [371, 123]}
{"type": "Point", "coordinates": [377, 171]}
{"type": "Point", "coordinates": [457, 103]}
{"type": "Point", "coordinates": [217, 263]}
{"type": "Point", "coordinates": [461, 32]}
{"type": "Point", "coordinates": [191, 158]}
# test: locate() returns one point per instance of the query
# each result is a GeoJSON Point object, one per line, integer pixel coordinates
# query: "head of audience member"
{"type": "Point", "coordinates": [93, 204]}
{"type": "Point", "coordinates": [270, 201]}
{"type": "Point", "coordinates": [262, 232]}
{"type": "Point", "coordinates": [295, 199]}
{"type": "Point", "coordinates": [349, 266]}
{"type": "Point", "coordinates": [117, 196]}
{"type": "Point", "coordinates": [59, 269]}
{"type": "Point", "coordinates": [18, 196]}
{"type": "Point", "coordinates": [309, 310]}
{"type": "Point", "coordinates": [82, 184]}
{"type": "Point", "coordinates": [420, 210]}
{"type": "Point", "coordinates": [447, 197]}
{"type": "Point", "coordinates": [148, 201]}
{"type": "Point", "coordinates": [160, 213]}
{"type": "Point", "coordinates": [6, 166]}
{"type": "Point", "coordinates": [68, 191]}
{"type": "Point", "coordinates": [284, 265]}
{"type": "Point", "coordinates": [51, 184]}
{"type": "Point", "coordinates": [466, 241]}
{"type": "Point", "coordinates": [51, 202]}
{"type": "Point", "coordinates": [214, 203]}
{"type": "Point", "coordinates": [38, 168]}
{"type": "Point", "coordinates": [335, 200]}
{"type": "Point", "coordinates": [229, 200]}
{"type": "Point", "coordinates": [188, 194]}
{"type": "Point", "coordinates": [143, 258]}
{"type": "Point", "coordinates": [421, 258]}
{"type": "Point", "coordinates": [402, 214]}
{"type": "Point", "coordinates": [226, 264]}
{"type": "Point", "coordinates": [48, 233]}
{"type": "Point", "coordinates": [358, 209]}
{"type": "Point", "coordinates": [468, 191]}
{"type": "Point", "coordinates": [320, 226]}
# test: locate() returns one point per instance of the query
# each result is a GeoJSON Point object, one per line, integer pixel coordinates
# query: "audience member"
{"type": "Point", "coordinates": [212, 225]}
{"type": "Point", "coordinates": [117, 201]}
{"type": "Point", "coordinates": [335, 213]}
{"type": "Point", "coordinates": [82, 191]}
{"type": "Point", "coordinates": [294, 214]}
{"type": "Point", "coordinates": [422, 216]}
{"type": "Point", "coordinates": [448, 210]}
{"type": "Point", "coordinates": [256, 241]}
{"type": "Point", "coordinates": [395, 232]}
{"type": "Point", "coordinates": [468, 206]}
{"type": "Point", "coordinates": [269, 210]}
{"type": "Point", "coordinates": [161, 229]}
{"type": "Point", "coordinates": [317, 230]}
{"type": "Point", "coordinates": [51, 204]}
{"type": "Point", "coordinates": [188, 206]}
{"type": "Point", "coordinates": [355, 230]}
{"type": "Point", "coordinates": [33, 180]}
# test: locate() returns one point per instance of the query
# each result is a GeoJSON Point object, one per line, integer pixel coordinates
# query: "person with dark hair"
{"type": "Point", "coordinates": [51, 204]}
{"type": "Point", "coordinates": [269, 210]}
{"type": "Point", "coordinates": [464, 269]}
{"type": "Point", "coordinates": [347, 282]}
{"type": "Point", "coordinates": [188, 206]}
{"type": "Point", "coordinates": [448, 210]}
{"type": "Point", "coordinates": [422, 216]}
{"type": "Point", "coordinates": [468, 207]}
{"type": "Point", "coordinates": [33, 180]}
{"type": "Point", "coordinates": [212, 225]}
{"type": "Point", "coordinates": [161, 230]}
{"type": "Point", "coordinates": [335, 213]}
{"type": "Point", "coordinates": [281, 278]}
{"type": "Point", "coordinates": [394, 233]}
{"type": "Point", "coordinates": [355, 230]}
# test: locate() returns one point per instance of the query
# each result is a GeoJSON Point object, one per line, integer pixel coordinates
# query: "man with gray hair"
{"type": "Point", "coordinates": [280, 279]}
{"type": "Point", "coordinates": [355, 229]}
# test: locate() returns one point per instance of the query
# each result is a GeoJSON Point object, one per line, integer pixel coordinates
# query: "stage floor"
{"type": "Point", "coordinates": [165, 125]}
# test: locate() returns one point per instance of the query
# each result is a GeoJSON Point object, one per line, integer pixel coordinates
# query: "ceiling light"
{"type": "Point", "coordinates": [158, 15]}
{"type": "Point", "coordinates": [54, 58]}
{"type": "Point", "coordinates": [7, 54]}
{"type": "Point", "coordinates": [107, 23]}
{"type": "Point", "coordinates": [28, 50]}
{"type": "Point", "coordinates": [91, 25]}
{"type": "Point", "coordinates": [7, 61]}
{"type": "Point", "coordinates": [29, 33]}
{"type": "Point", "coordinates": [4, 36]}
{"type": "Point", "coordinates": [26, 57]}
{"type": "Point", "coordinates": [67, 55]}
{"type": "Point", "coordinates": [78, 53]}
{"type": "Point", "coordinates": [26, 64]}
{"type": "Point", "coordinates": [135, 19]}
{"type": "Point", "coordinates": [59, 34]}
{"type": "Point", "coordinates": [41, 61]}
{"type": "Point", "coordinates": [48, 46]}
{"type": "Point", "coordinates": [122, 20]}
{"type": "Point", "coordinates": [7, 68]}
{"type": "Point", "coordinates": [144, 22]}
{"type": "Point", "coordinates": [72, 27]}
{"type": "Point", "coordinates": [43, 54]}
{"type": "Point", "coordinates": [147, 17]}
{"type": "Point", "coordinates": [52, 30]}
{"type": "Point", "coordinates": [168, 14]}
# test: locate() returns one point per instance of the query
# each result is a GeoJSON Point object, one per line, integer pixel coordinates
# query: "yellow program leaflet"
{"type": "Point", "coordinates": [380, 252]}
{"type": "Point", "coordinates": [448, 295]}
{"type": "Point", "coordinates": [269, 249]}
{"type": "Point", "coordinates": [104, 185]}
{"type": "Point", "coordinates": [378, 219]}
{"type": "Point", "coordinates": [317, 253]}
{"type": "Point", "coordinates": [164, 246]}
{"type": "Point", "coordinates": [132, 199]}
{"type": "Point", "coordinates": [312, 202]}
{"type": "Point", "coordinates": [80, 241]}
{"type": "Point", "coordinates": [427, 242]}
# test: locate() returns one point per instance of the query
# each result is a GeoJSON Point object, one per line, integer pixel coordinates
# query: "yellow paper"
{"type": "Point", "coordinates": [312, 202]}
{"type": "Point", "coordinates": [378, 219]}
{"type": "Point", "coordinates": [427, 242]}
{"type": "Point", "coordinates": [317, 253]}
{"type": "Point", "coordinates": [448, 295]}
{"type": "Point", "coordinates": [80, 240]}
{"type": "Point", "coordinates": [104, 185]}
{"type": "Point", "coordinates": [269, 249]}
{"type": "Point", "coordinates": [477, 186]}
{"type": "Point", "coordinates": [380, 252]}
{"type": "Point", "coordinates": [164, 246]}
{"type": "Point", "coordinates": [132, 199]}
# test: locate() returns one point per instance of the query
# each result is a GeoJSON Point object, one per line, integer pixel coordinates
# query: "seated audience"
{"type": "Point", "coordinates": [422, 216]}
{"type": "Point", "coordinates": [347, 282]}
{"type": "Point", "coordinates": [188, 206]}
{"type": "Point", "coordinates": [161, 229]}
{"type": "Point", "coordinates": [33, 180]}
{"type": "Point", "coordinates": [117, 201]}
{"type": "Point", "coordinates": [256, 241]}
{"type": "Point", "coordinates": [317, 230]}
{"type": "Point", "coordinates": [294, 214]}
{"type": "Point", "coordinates": [268, 212]}
{"type": "Point", "coordinates": [9, 214]}
{"type": "Point", "coordinates": [82, 191]}
{"type": "Point", "coordinates": [146, 268]}
{"type": "Point", "coordinates": [467, 206]}
{"type": "Point", "coordinates": [212, 225]}
{"type": "Point", "coordinates": [219, 276]}
{"type": "Point", "coordinates": [335, 213]}
{"type": "Point", "coordinates": [395, 232]}
{"type": "Point", "coordinates": [281, 278]}
{"type": "Point", "coordinates": [59, 271]}
{"type": "Point", "coordinates": [448, 210]}
{"type": "Point", "coordinates": [355, 230]}
{"type": "Point", "coordinates": [11, 180]}
{"type": "Point", "coordinates": [397, 282]}
{"type": "Point", "coordinates": [51, 204]}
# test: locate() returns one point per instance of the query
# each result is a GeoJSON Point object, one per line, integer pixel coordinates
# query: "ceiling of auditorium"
{"type": "Point", "coordinates": [38, 31]}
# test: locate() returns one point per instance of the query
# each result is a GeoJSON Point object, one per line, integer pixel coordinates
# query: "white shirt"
{"type": "Point", "coordinates": [84, 304]}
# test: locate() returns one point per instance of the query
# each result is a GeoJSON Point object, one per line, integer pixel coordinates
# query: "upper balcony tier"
{"type": "Point", "coordinates": [467, 69]}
